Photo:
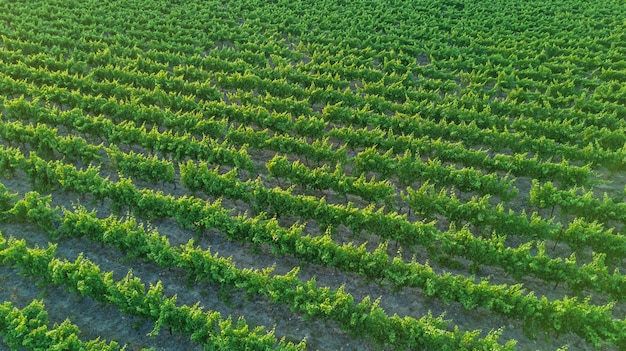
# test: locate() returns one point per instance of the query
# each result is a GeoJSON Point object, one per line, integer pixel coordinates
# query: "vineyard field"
{"type": "Point", "coordinates": [312, 175]}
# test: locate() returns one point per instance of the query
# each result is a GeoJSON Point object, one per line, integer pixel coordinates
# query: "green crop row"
{"type": "Point", "coordinates": [130, 296]}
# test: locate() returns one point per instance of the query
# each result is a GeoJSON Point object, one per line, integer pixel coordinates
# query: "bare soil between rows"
{"type": "Point", "coordinates": [99, 320]}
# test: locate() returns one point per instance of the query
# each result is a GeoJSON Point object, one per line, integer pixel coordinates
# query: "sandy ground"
{"type": "Point", "coordinates": [98, 320]}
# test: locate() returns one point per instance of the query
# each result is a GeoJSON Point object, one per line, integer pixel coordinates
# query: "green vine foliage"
{"type": "Point", "coordinates": [29, 328]}
{"type": "Point", "coordinates": [308, 130]}
{"type": "Point", "coordinates": [131, 296]}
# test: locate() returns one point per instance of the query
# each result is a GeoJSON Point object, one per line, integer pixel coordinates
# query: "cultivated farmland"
{"type": "Point", "coordinates": [313, 175]}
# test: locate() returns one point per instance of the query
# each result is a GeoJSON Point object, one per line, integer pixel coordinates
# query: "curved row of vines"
{"type": "Point", "coordinates": [360, 165]}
